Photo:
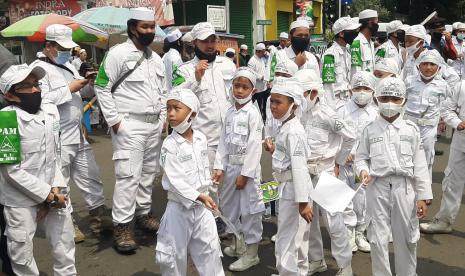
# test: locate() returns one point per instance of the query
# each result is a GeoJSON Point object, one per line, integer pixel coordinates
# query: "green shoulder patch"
{"type": "Point", "coordinates": [177, 79]}
{"type": "Point", "coordinates": [10, 140]}
{"type": "Point", "coordinates": [356, 53]}
{"type": "Point", "coordinates": [381, 53]}
{"type": "Point", "coordinates": [329, 73]}
{"type": "Point", "coordinates": [102, 78]}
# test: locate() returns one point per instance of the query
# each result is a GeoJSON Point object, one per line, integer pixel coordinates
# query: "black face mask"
{"type": "Point", "coordinates": [401, 36]}
{"type": "Point", "coordinates": [145, 38]}
{"type": "Point", "coordinates": [230, 55]}
{"type": "Point", "coordinates": [373, 28]}
{"type": "Point", "coordinates": [349, 37]}
{"type": "Point", "coordinates": [436, 36]}
{"type": "Point", "coordinates": [30, 102]}
{"type": "Point", "coordinates": [300, 44]}
{"type": "Point", "coordinates": [204, 56]}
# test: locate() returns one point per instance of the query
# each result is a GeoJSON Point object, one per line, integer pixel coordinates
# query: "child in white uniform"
{"type": "Point", "coordinates": [187, 225]}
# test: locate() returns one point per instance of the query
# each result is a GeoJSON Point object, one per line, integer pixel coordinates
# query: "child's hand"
{"type": "Point", "coordinates": [208, 201]}
{"type": "Point", "coordinates": [216, 177]}
{"type": "Point", "coordinates": [269, 146]}
{"type": "Point", "coordinates": [421, 209]}
{"type": "Point", "coordinates": [61, 203]}
{"type": "Point", "coordinates": [336, 170]}
{"type": "Point", "coordinates": [306, 211]}
{"type": "Point", "coordinates": [42, 212]}
{"type": "Point", "coordinates": [241, 181]}
{"type": "Point", "coordinates": [366, 178]}
{"type": "Point", "coordinates": [350, 158]}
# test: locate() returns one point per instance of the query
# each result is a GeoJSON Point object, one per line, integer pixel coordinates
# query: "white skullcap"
{"type": "Point", "coordinates": [363, 78]}
{"type": "Point", "coordinates": [460, 26]}
{"type": "Point", "coordinates": [260, 47]}
{"type": "Point", "coordinates": [388, 65]}
{"type": "Point", "coordinates": [185, 96]}
{"type": "Point", "coordinates": [416, 31]}
{"type": "Point", "coordinates": [291, 88]}
{"type": "Point", "coordinates": [82, 51]}
{"type": "Point", "coordinates": [345, 24]}
{"type": "Point", "coordinates": [142, 13]}
{"type": "Point", "coordinates": [230, 50]}
{"type": "Point", "coordinates": [61, 34]}
{"type": "Point", "coordinates": [202, 30]}
{"type": "Point", "coordinates": [174, 35]}
{"type": "Point", "coordinates": [17, 73]}
{"type": "Point", "coordinates": [454, 25]}
{"type": "Point", "coordinates": [355, 20]}
{"type": "Point", "coordinates": [367, 14]}
{"type": "Point", "coordinates": [187, 37]}
{"type": "Point", "coordinates": [244, 47]}
{"type": "Point", "coordinates": [391, 87]}
{"type": "Point", "coordinates": [300, 22]}
{"type": "Point", "coordinates": [246, 72]}
{"type": "Point", "coordinates": [309, 79]}
{"type": "Point", "coordinates": [394, 26]}
{"type": "Point", "coordinates": [432, 56]}
{"type": "Point", "coordinates": [284, 35]}
{"type": "Point", "coordinates": [286, 67]}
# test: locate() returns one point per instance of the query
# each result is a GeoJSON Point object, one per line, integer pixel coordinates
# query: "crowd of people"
{"type": "Point", "coordinates": [368, 116]}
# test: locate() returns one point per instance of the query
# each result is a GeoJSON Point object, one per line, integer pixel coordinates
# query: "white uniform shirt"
{"type": "Point", "coordinates": [212, 91]}
{"type": "Point", "coordinates": [342, 64]}
{"type": "Point", "coordinates": [29, 182]}
{"type": "Point", "coordinates": [77, 63]}
{"type": "Point", "coordinates": [291, 154]}
{"type": "Point", "coordinates": [459, 64]}
{"type": "Point", "coordinates": [258, 65]}
{"type": "Point", "coordinates": [288, 53]}
{"type": "Point", "coordinates": [140, 93]}
{"type": "Point", "coordinates": [357, 118]}
{"type": "Point", "coordinates": [186, 167]}
{"type": "Point", "coordinates": [394, 150]}
{"type": "Point", "coordinates": [367, 48]}
{"type": "Point", "coordinates": [172, 60]}
{"type": "Point", "coordinates": [390, 51]}
{"type": "Point", "coordinates": [453, 113]}
{"type": "Point", "coordinates": [324, 133]}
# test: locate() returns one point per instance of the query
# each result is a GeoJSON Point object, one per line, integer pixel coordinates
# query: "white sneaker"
{"type": "Point", "coordinates": [249, 259]}
{"type": "Point", "coordinates": [436, 227]}
{"type": "Point", "coordinates": [353, 244]}
{"type": "Point", "coordinates": [346, 271]}
{"type": "Point", "coordinates": [273, 238]}
{"type": "Point", "coordinates": [362, 243]}
{"type": "Point", "coordinates": [316, 267]}
{"type": "Point", "coordinates": [236, 249]}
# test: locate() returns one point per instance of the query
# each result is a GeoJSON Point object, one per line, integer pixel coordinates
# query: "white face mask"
{"type": "Point", "coordinates": [411, 50]}
{"type": "Point", "coordinates": [310, 103]}
{"type": "Point", "coordinates": [430, 77]}
{"type": "Point", "coordinates": [362, 97]}
{"type": "Point", "coordinates": [389, 109]}
{"type": "Point", "coordinates": [184, 125]}
{"type": "Point", "coordinates": [244, 100]}
{"type": "Point", "coordinates": [287, 115]}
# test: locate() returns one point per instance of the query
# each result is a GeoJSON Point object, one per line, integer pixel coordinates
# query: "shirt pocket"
{"type": "Point", "coordinates": [378, 156]}
{"type": "Point", "coordinates": [204, 96]}
{"type": "Point", "coordinates": [30, 153]}
{"type": "Point", "coordinates": [240, 133]}
{"type": "Point", "coordinates": [186, 159]}
{"type": "Point", "coordinates": [406, 154]}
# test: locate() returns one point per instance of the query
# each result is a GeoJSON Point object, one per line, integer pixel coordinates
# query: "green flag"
{"type": "Point", "coordinates": [10, 143]}
{"type": "Point", "coordinates": [329, 73]}
{"type": "Point", "coordinates": [356, 53]}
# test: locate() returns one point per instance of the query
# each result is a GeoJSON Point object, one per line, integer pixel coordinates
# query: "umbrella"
{"type": "Point", "coordinates": [33, 28]}
{"type": "Point", "coordinates": [110, 19]}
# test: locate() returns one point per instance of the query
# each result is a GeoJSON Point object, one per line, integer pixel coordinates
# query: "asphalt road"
{"type": "Point", "coordinates": [437, 254]}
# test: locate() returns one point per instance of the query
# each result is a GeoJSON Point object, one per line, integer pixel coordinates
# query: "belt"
{"type": "Point", "coordinates": [145, 118]}
{"type": "Point", "coordinates": [285, 176]}
{"type": "Point", "coordinates": [315, 168]}
{"type": "Point", "coordinates": [179, 199]}
{"type": "Point", "coordinates": [422, 121]}
{"type": "Point", "coordinates": [236, 159]}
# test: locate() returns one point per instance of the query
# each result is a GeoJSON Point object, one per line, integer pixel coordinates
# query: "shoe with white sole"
{"type": "Point", "coordinates": [436, 227]}
{"type": "Point", "coordinates": [236, 249]}
{"type": "Point", "coordinates": [346, 271]}
{"type": "Point", "coordinates": [362, 242]}
{"type": "Point", "coordinates": [247, 260]}
{"type": "Point", "coordinates": [317, 267]}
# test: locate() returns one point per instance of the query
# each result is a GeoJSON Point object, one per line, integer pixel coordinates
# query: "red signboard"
{"type": "Point", "coordinates": [20, 9]}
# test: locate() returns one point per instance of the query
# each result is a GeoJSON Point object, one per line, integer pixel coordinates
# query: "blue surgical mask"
{"type": "Point", "coordinates": [62, 57]}
{"type": "Point", "coordinates": [461, 36]}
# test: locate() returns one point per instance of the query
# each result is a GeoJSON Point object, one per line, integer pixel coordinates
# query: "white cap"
{"type": "Point", "coordinates": [17, 73]}
{"type": "Point", "coordinates": [454, 25]}
{"type": "Point", "coordinates": [61, 34]}
{"type": "Point", "coordinates": [185, 96]}
{"type": "Point", "coordinates": [174, 35]}
{"type": "Point", "coordinates": [260, 47]}
{"type": "Point", "coordinates": [246, 72]}
{"type": "Point", "coordinates": [367, 14]}
{"type": "Point", "coordinates": [309, 79]}
{"type": "Point", "coordinates": [287, 67]}
{"type": "Point", "coordinates": [230, 50]}
{"type": "Point", "coordinates": [284, 35]}
{"type": "Point", "coordinates": [244, 47]}
{"type": "Point", "coordinates": [363, 78]}
{"type": "Point", "coordinates": [300, 22]}
{"type": "Point", "coordinates": [82, 51]}
{"type": "Point", "coordinates": [345, 24]}
{"type": "Point", "coordinates": [460, 26]}
{"type": "Point", "coordinates": [142, 13]}
{"type": "Point", "coordinates": [416, 31]}
{"type": "Point", "coordinates": [391, 86]}
{"type": "Point", "coordinates": [291, 88]}
{"type": "Point", "coordinates": [388, 65]}
{"type": "Point", "coordinates": [394, 26]}
{"type": "Point", "coordinates": [187, 37]}
{"type": "Point", "coordinates": [203, 30]}
{"type": "Point", "coordinates": [432, 56]}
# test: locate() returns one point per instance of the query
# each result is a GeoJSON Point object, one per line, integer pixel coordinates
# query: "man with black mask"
{"type": "Point", "coordinates": [363, 49]}
{"type": "Point", "coordinates": [172, 59]}
{"type": "Point", "coordinates": [440, 39]}
{"type": "Point", "coordinates": [391, 48]}
{"type": "Point", "coordinates": [130, 86]}
{"type": "Point", "coordinates": [208, 76]}
{"type": "Point", "coordinates": [336, 62]}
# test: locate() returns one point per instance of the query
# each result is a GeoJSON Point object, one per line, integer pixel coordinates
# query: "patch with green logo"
{"type": "Point", "coordinates": [270, 191]}
{"type": "Point", "coordinates": [329, 73]}
{"type": "Point", "coordinates": [356, 53]}
{"type": "Point", "coordinates": [10, 140]}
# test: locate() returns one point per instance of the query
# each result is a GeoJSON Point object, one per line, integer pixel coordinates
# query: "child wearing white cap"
{"type": "Point", "coordinates": [363, 49]}
{"type": "Point", "coordinates": [31, 182]}
{"type": "Point", "coordinates": [386, 67]}
{"type": "Point", "coordinates": [238, 163]}
{"type": "Point", "coordinates": [289, 162]}
{"type": "Point", "coordinates": [391, 162]}
{"type": "Point", "coordinates": [188, 225]}
{"type": "Point", "coordinates": [172, 59]}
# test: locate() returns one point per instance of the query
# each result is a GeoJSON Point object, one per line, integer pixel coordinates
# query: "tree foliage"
{"type": "Point", "coordinates": [384, 14]}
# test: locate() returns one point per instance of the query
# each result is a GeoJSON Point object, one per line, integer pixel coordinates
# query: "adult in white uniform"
{"type": "Point", "coordinates": [258, 64]}
{"type": "Point", "coordinates": [283, 40]}
{"type": "Point", "coordinates": [459, 44]}
{"type": "Point", "coordinates": [337, 62]}
{"type": "Point", "coordinates": [136, 112]}
{"type": "Point", "coordinates": [390, 160]}
{"type": "Point", "coordinates": [391, 48]}
{"type": "Point", "coordinates": [358, 113]}
{"type": "Point", "coordinates": [29, 187]}
{"type": "Point", "coordinates": [363, 49]}
{"type": "Point", "coordinates": [61, 86]}
{"type": "Point", "coordinates": [330, 141]}
{"type": "Point", "coordinates": [172, 59]}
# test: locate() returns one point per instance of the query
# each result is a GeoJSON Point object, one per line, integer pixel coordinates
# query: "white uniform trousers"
{"type": "Point", "coordinates": [188, 231]}
{"type": "Point", "coordinates": [78, 164]}
{"type": "Point", "coordinates": [452, 186]}
{"type": "Point", "coordinates": [292, 240]}
{"type": "Point", "coordinates": [355, 213]}
{"type": "Point", "coordinates": [136, 153]}
{"type": "Point", "coordinates": [428, 138]}
{"type": "Point", "coordinates": [244, 208]}
{"type": "Point", "coordinates": [20, 230]}
{"type": "Point", "coordinates": [334, 222]}
{"type": "Point", "coordinates": [391, 206]}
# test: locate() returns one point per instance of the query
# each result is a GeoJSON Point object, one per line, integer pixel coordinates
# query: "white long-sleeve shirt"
{"type": "Point", "coordinates": [172, 60]}
{"type": "Point", "coordinates": [453, 113]}
{"type": "Point", "coordinates": [258, 65]}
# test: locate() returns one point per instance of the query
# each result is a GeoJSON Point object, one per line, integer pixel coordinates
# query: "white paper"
{"type": "Point", "coordinates": [332, 194]}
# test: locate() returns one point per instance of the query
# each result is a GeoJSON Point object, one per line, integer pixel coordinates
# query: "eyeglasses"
{"type": "Point", "coordinates": [26, 87]}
